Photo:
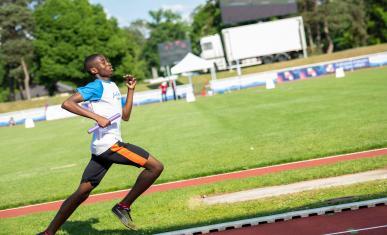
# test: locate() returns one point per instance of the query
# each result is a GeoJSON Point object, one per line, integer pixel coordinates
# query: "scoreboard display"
{"type": "Point", "coordinates": [171, 53]}
{"type": "Point", "coordinates": [236, 11]}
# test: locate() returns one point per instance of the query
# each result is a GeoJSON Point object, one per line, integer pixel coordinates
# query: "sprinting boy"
{"type": "Point", "coordinates": [106, 146]}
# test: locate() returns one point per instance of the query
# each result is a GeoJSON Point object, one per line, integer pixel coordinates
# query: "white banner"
{"type": "Point", "coordinates": [245, 81]}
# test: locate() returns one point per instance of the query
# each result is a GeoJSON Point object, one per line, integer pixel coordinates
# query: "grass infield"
{"type": "Point", "coordinates": [240, 130]}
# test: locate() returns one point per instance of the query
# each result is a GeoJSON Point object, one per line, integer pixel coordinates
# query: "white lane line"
{"type": "Point", "coordinates": [357, 230]}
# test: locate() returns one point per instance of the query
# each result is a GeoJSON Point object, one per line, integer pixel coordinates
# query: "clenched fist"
{"type": "Point", "coordinates": [130, 81]}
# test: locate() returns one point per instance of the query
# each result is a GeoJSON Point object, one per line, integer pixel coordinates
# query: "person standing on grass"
{"type": "Point", "coordinates": [164, 87]}
{"type": "Point", "coordinates": [106, 146]}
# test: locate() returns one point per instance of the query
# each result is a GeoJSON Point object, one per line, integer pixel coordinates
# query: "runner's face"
{"type": "Point", "coordinates": [104, 67]}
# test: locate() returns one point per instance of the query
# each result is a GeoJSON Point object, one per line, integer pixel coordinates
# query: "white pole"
{"type": "Point", "coordinates": [239, 71]}
{"type": "Point", "coordinates": [168, 71]}
{"type": "Point", "coordinates": [303, 40]}
{"type": "Point", "coordinates": [213, 73]}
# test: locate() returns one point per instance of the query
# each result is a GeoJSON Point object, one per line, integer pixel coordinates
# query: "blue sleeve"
{"type": "Point", "coordinates": [92, 91]}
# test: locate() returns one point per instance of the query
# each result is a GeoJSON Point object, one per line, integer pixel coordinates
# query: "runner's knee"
{"type": "Point", "coordinates": [154, 165]}
{"type": "Point", "coordinates": [159, 167]}
{"type": "Point", "coordinates": [84, 191]}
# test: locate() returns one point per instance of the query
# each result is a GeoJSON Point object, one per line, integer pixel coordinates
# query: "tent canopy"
{"type": "Point", "coordinates": [191, 63]}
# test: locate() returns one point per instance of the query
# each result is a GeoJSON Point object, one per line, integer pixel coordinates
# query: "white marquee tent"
{"type": "Point", "coordinates": [192, 63]}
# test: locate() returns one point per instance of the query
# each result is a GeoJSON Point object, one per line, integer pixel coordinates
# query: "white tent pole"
{"type": "Point", "coordinates": [168, 71]}
{"type": "Point", "coordinates": [213, 73]}
{"type": "Point", "coordinates": [190, 79]}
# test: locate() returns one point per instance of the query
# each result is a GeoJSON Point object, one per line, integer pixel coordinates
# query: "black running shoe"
{"type": "Point", "coordinates": [123, 215]}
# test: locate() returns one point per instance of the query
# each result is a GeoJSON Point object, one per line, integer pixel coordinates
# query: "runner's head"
{"type": "Point", "coordinates": [98, 64]}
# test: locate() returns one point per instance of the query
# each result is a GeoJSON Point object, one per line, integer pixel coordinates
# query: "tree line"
{"type": "Point", "coordinates": [45, 41]}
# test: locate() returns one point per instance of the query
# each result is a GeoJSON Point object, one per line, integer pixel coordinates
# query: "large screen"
{"type": "Point", "coordinates": [235, 11]}
{"type": "Point", "coordinates": [173, 52]}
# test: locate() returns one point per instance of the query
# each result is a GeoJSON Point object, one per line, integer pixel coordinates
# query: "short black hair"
{"type": "Point", "coordinates": [89, 62]}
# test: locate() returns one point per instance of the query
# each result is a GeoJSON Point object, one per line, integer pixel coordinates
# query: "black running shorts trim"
{"type": "Point", "coordinates": [119, 153]}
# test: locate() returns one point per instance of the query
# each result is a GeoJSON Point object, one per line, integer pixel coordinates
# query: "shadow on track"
{"type": "Point", "coordinates": [86, 228]}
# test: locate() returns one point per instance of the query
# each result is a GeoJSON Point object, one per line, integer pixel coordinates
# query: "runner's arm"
{"type": "Point", "coordinates": [71, 105]}
{"type": "Point", "coordinates": [131, 84]}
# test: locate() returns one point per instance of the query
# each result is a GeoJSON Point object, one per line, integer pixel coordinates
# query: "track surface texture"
{"type": "Point", "coordinates": [363, 221]}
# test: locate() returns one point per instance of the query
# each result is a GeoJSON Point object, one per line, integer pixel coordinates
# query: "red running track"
{"type": "Point", "coordinates": [52, 206]}
{"type": "Point", "coordinates": [363, 221]}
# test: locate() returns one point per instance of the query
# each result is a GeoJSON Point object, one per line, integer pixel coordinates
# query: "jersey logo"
{"type": "Point", "coordinates": [116, 95]}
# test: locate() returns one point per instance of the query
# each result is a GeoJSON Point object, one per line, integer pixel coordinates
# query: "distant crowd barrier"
{"type": "Point", "coordinates": [37, 114]}
{"type": "Point", "coordinates": [300, 72]}
{"type": "Point", "coordinates": [321, 69]}
{"type": "Point", "coordinates": [217, 86]}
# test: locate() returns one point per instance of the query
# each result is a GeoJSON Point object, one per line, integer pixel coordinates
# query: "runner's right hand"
{"type": "Point", "coordinates": [103, 122]}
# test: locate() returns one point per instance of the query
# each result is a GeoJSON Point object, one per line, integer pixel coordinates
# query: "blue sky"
{"type": "Point", "coordinates": [126, 11]}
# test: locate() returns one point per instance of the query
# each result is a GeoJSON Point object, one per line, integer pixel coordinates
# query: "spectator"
{"type": "Point", "coordinates": [11, 122]}
{"type": "Point", "coordinates": [164, 87]}
{"type": "Point", "coordinates": [45, 109]}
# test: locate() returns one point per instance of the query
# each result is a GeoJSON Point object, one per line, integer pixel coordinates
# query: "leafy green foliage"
{"type": "Point", "coordinates": [377, 21]}
{"type": "Point", "coordinates": [4, 91]}
{"type": "Point", "coordinates": [16, 26]}
{"type": "Point", "coordinates": [206, 21]}
{"type": "Point", "coordinates": [164, 26]}
{"type": "Point", "coordinates": [67, 31]}
{"type": "Point", "coordinates": [338, 25]}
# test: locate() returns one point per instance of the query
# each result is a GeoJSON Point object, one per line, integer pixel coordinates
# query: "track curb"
{"type": "Point", "coordinates": [280, 217]}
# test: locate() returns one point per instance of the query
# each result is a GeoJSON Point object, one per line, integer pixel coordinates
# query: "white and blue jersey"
{"type": "Point", "coordinates": [105, 99]}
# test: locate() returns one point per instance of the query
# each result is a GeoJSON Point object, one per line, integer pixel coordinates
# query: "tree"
{"type": "Point", "coordinates": [352, 32]}
{"type": "Point", "coordinates": [4, 92]}
{"type": "Point", "coordinates": [133, 61]}
{"type": "Point", "coordinates": [377, 20]}
{"type": "Point", "coordinates": [67, 31]}
{"type": "Point", "coordinates": [164, 26]}
{"type": "Point", "coordinates": [207, 20]}
{"type": "Point", "coordinates": [308, 11]}
{"type": "Point", "coordinates": [16, 51]}
{"type": "Point", "coordinates": [140, 30]}
{"type": "Point", "coordinates": [342, 23]}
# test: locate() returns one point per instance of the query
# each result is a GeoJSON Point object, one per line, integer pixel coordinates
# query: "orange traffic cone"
{"type": "Point", "coordinates": [204, 92]}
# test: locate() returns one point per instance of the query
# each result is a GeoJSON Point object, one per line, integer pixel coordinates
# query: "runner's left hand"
{"type": "Point", "coordinates": [130, 81]}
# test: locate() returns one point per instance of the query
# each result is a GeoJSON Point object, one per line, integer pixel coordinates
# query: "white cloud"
{"type": "Point", "coordinates": [175, 7]}
{"type": "Point", "coordinates": [184, 10]}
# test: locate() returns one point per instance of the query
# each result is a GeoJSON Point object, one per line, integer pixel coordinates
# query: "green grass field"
{"type": "Point", "coordinates": [202, 80]}
{"type": "Point", "coordinates": [180, 208]}
{"type": "Point", "coordinates": [240, 130]}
